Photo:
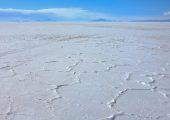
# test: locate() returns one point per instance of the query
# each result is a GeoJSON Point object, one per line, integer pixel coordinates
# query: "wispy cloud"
{"type": "Point", "coordinates": [62, 13]}
{"type": "Point", "coordinates": [167, 13]}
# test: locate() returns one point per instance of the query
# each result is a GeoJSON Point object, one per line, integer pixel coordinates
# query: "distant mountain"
{"type": "Point", "coordinates": [163, 20]}
{"type": "Point", "coordinates": [101, 20]}
{"type": "Point", "coordinates": [21, 17]}
{"type": "Point", "coordinates": [150, 20]}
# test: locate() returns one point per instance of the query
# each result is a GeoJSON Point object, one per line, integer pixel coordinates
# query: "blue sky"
{"type": "Point", "coordinates": [85, 9]}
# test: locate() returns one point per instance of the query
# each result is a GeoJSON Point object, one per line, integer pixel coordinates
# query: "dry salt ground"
{"type": "Point", "coordinates": [85, 71]}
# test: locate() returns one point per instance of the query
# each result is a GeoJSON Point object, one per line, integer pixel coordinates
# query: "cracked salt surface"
{"type": "Point", "coordinates": [84, 71]}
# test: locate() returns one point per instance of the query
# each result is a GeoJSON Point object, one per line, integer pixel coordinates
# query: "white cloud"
{"type": "Point", "coordinates": [167, 13]}
{"type": "Point", "coordinates": [65, 13]}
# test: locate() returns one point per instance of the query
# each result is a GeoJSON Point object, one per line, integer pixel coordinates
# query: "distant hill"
{"type": "Point", "coordinates": [17, 17]}
{"type": "Point", "coordinates": [151, 20]}
{"type": "Point", "coordinates": [163, 20]}
{"type": "Point", "coordinates": [101, 20]}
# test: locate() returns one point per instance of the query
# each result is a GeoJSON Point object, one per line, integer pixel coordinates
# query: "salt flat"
{"type": "Point", "coordinates": [84, 71]}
